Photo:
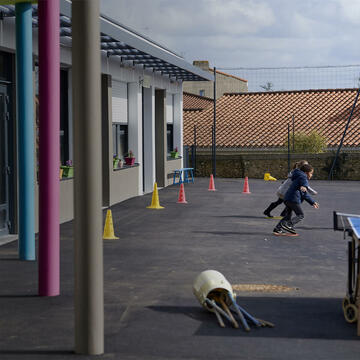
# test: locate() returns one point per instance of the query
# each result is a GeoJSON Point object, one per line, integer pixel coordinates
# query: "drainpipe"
{"type": "Point", "coordinates": [25, 101]}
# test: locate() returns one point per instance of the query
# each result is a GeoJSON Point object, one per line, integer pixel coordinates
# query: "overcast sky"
{"type": "Point", "coordinates": [248, 33]}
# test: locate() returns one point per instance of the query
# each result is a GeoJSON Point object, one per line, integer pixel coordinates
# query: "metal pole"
{"type": "Point", "coordinates": [214, 126]}
{"type": "Point", "coordinates": [293, 132]}
{"type": "Point", "coordinates": [194, 150]}
{"type": "Point", "coordinates": [49, 148]}
{"type": "Point", "coordinates": [288, 148]}
{"type": "Point", "coordinates": [89, 288]}
{"type": "Point", "coordinates": [192, 155]}
{"type": "Point", "coordinates": [343, 136]}
{"type": "Point", "coordinates": [212, 145]}
{"type": "Point", "coordinates": [25, 105]}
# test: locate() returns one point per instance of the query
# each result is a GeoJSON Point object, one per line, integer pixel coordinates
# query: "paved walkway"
{"type": "Point", "coordinates": [150, 311]}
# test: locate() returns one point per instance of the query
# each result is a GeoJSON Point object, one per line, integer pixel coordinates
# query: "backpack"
{"type": "Point", "coordinates": [283, 188]}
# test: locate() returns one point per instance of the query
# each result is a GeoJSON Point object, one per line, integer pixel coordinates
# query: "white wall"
{"type": "Point", "coordinates": [149, 139]}
{"type": "Point", "coordinates": [135, 127]}
{"type": "Point", "coordinates": [178, 122]}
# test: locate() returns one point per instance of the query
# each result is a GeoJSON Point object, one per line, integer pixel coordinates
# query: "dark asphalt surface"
{"type": "Point", "coordinates": [150, 311]}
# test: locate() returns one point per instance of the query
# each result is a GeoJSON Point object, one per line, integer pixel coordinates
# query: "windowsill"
{"type": "Point", "coordinates": [169, 158]}
{"type": "Point", "coordinates": [67, 178]}
{"type": "Point", "coordinates": [127, 167]}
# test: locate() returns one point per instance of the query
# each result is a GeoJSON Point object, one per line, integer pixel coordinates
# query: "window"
{"type": "Point", "coordinates": [120, 139]}
{"type": "Point", "coordinates": [64, 115]}
{"type": "Point", "coordinates": [170, 138]}
{"type": "Point", "coordinates": [120, 118]}
{"type": "Point", "coordinates": [170, 122]}
{"type": "Point", "coordinates": [5, 66]}
{"type": "Point", "coordinates": [202, 92]}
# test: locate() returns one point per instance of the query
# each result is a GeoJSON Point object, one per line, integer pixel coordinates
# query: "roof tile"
{"type": "Point", "coordinates": [260, 119]}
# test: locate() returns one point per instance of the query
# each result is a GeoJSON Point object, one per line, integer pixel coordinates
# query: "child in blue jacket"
{"type": "Point", "coordinates": [296, 194]}
{"type": "Point", "coordinates": [282, 191]}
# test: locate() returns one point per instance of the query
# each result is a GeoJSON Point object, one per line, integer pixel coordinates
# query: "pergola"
{"type": "Point", "coordinates": [126, 44]}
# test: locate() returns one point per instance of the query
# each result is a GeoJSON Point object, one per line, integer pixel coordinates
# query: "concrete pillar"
{"type": "Point", "coordinates": [71, 123]}
{"type": "Point", "coordinates": [178, 123]}
{"type": "Point", "coordinates": [25, 107]}
{"type": "Point", "coordinates": [160, 138]}
{"type": "Point", "coordinates": [149, 139]}
{"type": "Point", "coordinates": [49, 149]}
{"type": "Point", "coordinates": [89, 289]}
{"type": "Point", "coordinates": [135, 126]}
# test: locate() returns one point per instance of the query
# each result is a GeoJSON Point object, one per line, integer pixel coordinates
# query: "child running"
{"type": "Point", "coordinates": [296, 193]}
{"type": "Point", "coordinates": [283, 188]}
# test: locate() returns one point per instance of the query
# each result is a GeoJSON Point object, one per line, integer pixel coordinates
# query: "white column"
{"type": "Point", "coordinates": [70, 114]}
{"type": "Point", "coordinates": [135, 126]}
{"type": "Point", "coordinates": [149, 138]}
{"type": "Point", "coordinates": [178, 123]}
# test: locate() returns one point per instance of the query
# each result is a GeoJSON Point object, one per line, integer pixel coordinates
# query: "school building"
{"type": "Point", "coordinates": [142, 111]}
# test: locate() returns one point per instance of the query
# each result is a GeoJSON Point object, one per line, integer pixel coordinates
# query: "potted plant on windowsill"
{"type": "Point", "coordinates": [175, 153]}
{"type": "Point", "coordinates": [115, 162]}
{"type": "Point", "coordinates": [68, 169]}
{"type": "Point", "coordinates": [130, 158]}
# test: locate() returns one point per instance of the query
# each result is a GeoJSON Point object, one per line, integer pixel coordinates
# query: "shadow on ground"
{"type": "Point", "coordinates": [299, 318]}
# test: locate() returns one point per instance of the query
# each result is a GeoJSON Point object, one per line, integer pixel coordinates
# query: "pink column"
{"type": "Point", "coordinates": [49, 147]}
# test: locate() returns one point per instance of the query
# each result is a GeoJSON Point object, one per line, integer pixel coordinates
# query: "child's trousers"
{"type": "Point", "coordinates": [290, 207]}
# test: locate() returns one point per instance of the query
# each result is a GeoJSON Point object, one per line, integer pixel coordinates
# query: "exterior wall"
{"type": "Point", "coordinates": [178, 123]}
{"type": "Point", "coordinates": [66, 202]}
{"type": "Point", "coordinates": [170, 166]}
{"type": "Point", "coordinates": [123, 184]}
{"type": "Point", "coordinates": [160, 138]}
{"type": "Point", "coordinates": [224, 84]}
{"type": "Point", "coordinates": [236, 164]}
{"type": "Point", "coordinates": [149, 140]}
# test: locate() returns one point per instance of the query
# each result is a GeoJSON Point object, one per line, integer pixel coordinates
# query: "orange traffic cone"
{"type": "Point", "coordinates": [246, 186]}
{"type": "Point", "coordinates": [212, 184]}
{"type": "Point", "coordinates": [182, 199]}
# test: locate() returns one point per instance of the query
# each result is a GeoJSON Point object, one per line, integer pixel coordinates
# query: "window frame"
{"type": "Point", "coordinates": [119, 127]}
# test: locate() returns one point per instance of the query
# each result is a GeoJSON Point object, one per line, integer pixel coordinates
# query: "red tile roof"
{"type": "Point", "coordinates": [258, 120]}
{"type": "Point", "coordinates": [226, 74]}
{"type": "Point", "coordinates": [192, 101]}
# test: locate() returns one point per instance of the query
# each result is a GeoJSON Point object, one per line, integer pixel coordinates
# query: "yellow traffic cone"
{"type": "Point", "coordinates": [266, 176]}
{"type": "Point", "coordinates": [155, 199]}
{"type": "Point", "coordinates": [109, 227]}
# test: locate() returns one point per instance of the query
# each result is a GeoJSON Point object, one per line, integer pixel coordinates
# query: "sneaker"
{"type": "Point", "coordinates": [279, 232]}
{"type": "Point", "coordinates": [267, 213]}
{"type": "Point", "coordinates": [288, 228]}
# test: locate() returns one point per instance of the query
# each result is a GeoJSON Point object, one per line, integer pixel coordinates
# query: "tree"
{"type": "Point", "coordinates": [268, 86]}
{"type": "Point", "coordinates": [312, 143]}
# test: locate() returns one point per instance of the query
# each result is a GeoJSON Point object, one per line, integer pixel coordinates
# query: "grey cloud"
{"type": "Point", "coordinates": [248, 33]}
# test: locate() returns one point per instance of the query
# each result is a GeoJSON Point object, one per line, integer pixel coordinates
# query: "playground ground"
{"type": "Point", "coordinates": [150, 311]}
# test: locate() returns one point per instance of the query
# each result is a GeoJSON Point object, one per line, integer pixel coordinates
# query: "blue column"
{"type": "Point", "coordinates": [25, 140]}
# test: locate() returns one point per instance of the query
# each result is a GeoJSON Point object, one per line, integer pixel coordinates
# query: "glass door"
{"type": "Point", "coordinates": [4, 166]}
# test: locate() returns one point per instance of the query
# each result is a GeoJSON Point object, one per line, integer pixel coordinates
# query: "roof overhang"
{"type": "Point", "coordinates": [127, 45]}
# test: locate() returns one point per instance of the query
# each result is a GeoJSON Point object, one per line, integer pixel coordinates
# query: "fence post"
{"type": "Point", "coordinates": [288, 148]}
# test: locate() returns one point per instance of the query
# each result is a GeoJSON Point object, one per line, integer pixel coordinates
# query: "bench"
{"type": "Point", "coordinates": [184, 175]}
